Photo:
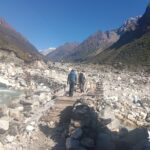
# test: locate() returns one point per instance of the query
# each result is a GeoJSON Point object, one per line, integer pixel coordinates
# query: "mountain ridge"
{"type": "Point", "coordinates": [62, 51]}
{"type": "Point", "coordinates": [132, 48]}
{"type": "Point", "coordinates": [11, 40]}
{"type": "Point", "coordinates": [95, 43]}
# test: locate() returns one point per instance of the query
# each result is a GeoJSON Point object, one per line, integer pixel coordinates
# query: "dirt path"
{"type": "Point", "coordinates": [53, 125]}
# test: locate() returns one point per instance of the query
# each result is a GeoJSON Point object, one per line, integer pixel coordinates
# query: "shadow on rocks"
{"type": "Point", "coordinates": [58, 133]}
{"type": "Point", "coordinates": [80, 128]}
{"type": "Point", "coordinates": [88, 132]}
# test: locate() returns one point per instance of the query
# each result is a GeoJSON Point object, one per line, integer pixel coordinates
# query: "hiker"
{"type": "Point", "coordinates": [72, 81]}
{"type": "Point", "coordinates": [82, 81]}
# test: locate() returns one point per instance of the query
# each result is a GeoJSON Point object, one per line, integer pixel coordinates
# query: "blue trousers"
{"type": "Point", "coordinates": [71, 89]}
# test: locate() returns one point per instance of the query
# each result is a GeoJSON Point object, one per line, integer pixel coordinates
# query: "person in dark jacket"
{"type": "Point", "coordinates": [72, 81]}
{"type": "Point", "coordinates": [82, 81]}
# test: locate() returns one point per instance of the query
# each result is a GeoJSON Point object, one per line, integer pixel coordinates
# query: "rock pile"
{"type": "Point", "coordinates": [89, 132]}
{"type": "Point", "coordinates": [38, 85]}
{"type": "Point", "coordinates": [120, 95]}
{"type": "Point", "coordinates": [82, 129]}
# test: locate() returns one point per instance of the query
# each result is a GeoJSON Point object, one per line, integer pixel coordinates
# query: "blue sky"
{"type": "Point", "coordinates": [50, 23]}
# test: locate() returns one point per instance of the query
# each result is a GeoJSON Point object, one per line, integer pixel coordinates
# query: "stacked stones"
{"type": "Point", "coordinates": [99, 90]}
{"type": "Point", "coordinates": [82, 129]}
{"type": "Point", "coordinates": [88, 132]}
{"type": "Point", "coordinates": [99, 96]}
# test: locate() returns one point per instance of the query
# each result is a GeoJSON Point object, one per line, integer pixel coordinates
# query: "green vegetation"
{"type": "Point", "coordinates": [135, 53]}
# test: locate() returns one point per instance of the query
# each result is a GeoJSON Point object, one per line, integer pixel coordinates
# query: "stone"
{"type": "Point", "coordinates": [4, 111]}
{"type": "Point", "coordinates": [42, 96]}
{"type": "Point", "coordinates": [77, 133]}
{"type": "Point", "coordinates": [1, 112]}
{"type": "Point", "coordinates": [23, 83]}
{"type": "Point", "coordinates": [20, 108]}
{"type": "Point", "coordinates": [13, 104]}
{"type": "Point", "coordinates": [36, 104]}
{"type": "Point", "coordinates": [10, 138]}
{"type": "Point", "coordinates": [15, 114]}
{"type": "Point", "coordinates": [143, 115]}
{"type": "Point", "coordinates": [87, 142]}
{"type": "Point", "coordinates": [131, 117]}
{"type": "Point", "coordinates": [33, 123]}
{"type": "Point", "coordinates": [13, 128]}
{"type": "Point", "coordinates": [119, 78]}
{"type": "Point", "coordinates": [136, 99]}
{"type": "Point", "coordinates": [1, 146]}
{"type": "Point", "coordinates": [24, 102]}
{"type": "Point", "coordinates": [4, 126]}
{"type": "Point", "coordinates": [29, 128]}
{"type": "Point", "coordinates": [52, 124]}
{"type": "Point", "coordinates": [72, 144]}
{"type": "Point", "coordinates": [131, 81]}
{"type": "Point", "coordinates": [27, 108]}
{"type": "Point", "coordinates": [147, 117]}
{"type": "Point", "coordinates": [4, 81]}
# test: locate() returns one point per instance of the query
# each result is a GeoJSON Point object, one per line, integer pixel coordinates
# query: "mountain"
{"type": "Point", "coordinates": [100, 41]}
{"type": "Point", "coordinates": [129, 25]}
{"type": "Point", "coordinates": [62, 51]}
{"type": "Point", "coordinates": [47, 51]}
{"type": "Point", "coordinates": [133, 47]}
{"type": "Point", "coordinates": [12, 41]}
{"type": "Point", "coordinates": [93, 44]}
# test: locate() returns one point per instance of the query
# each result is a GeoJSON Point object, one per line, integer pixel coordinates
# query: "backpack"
{"type": "Point", "coordinates": [72, 77]}
{"type": "Point", "coordinates": [81, 78]}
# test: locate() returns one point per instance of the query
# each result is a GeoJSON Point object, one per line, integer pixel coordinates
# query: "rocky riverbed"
{"type": "Point", "coordinates": [120, 95]}
{"type": "Point", "coordinates": [87, 131]}
{"type": "Point", "coordinates": [19, 113]}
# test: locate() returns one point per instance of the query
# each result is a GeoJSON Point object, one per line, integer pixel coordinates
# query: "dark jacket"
{"type": "Point", "coordinates": [81, 78]}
